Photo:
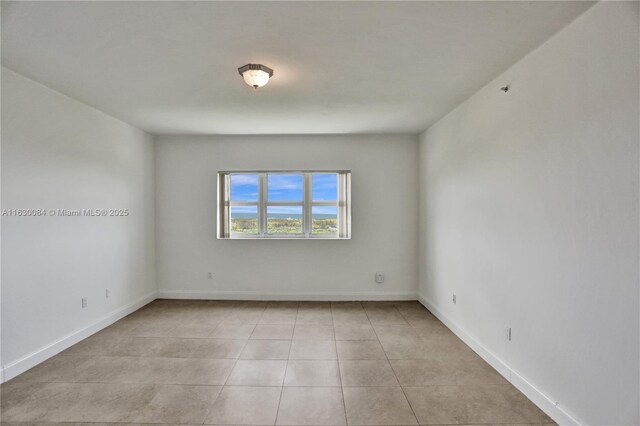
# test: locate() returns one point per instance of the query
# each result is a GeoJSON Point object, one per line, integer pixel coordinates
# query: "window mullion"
{"type": "Point", "coordinates": [262, 207]}
{"type": "Point", "coordinates": [242, 203]}
{"type": "Point", "coordinates": [324, 203]}
{"type": "Point", "coordinates": [306, 208]}
{"type": "Point", "coordinates": [285, 203]}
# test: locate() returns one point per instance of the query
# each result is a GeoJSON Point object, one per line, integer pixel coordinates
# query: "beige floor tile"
{"type": "Point", "coordinates": [57, 368]}
{"type": "Point", "coordinates": [498, 424]}
{"type": "Point", "coordinates": [438, 404]}
{"type": "Point", "coordinates": [360, 349]}
{"type": "Point", "coordinates": [266, 349]}
{"type": "Point", "coordinates": [354, 332]}
{"type": "Point", "coordinates": [220, 348]}
{"type": "Point", "coordinates": [282, 305]}
{"type": "Point", "coordinates": [273, 332]}
{"type": "Point", "coordinates": [426, 323]}
{"type": "Point", "coordinates": [193, 330]}
{"type": "Point", "coordinates": [312, 304]}
{"type": "Point", "coordinates": [446, 371]}
{"type": "Point", "coordinates": [408, 306]}
{"type": "Point", "coordinates": [170, 347]}
{"type": "Point", "coordinates": [313, 349]}
{"type": "Point", "coordinates": [312, 373]}
{"type": "Point", "coordinates": [377, 406]}
{"type": "Point", "coordinates": [154, 346]}
{"type": "Point", "coordinates": [479, 404]}
{"type": "Point", "coordinates": [445, 342]}
{"type": "Point", "coordinates": [313, 332]}
{"type": "Point", "coordinates": [130, 346]}
{"type": "Point", "coordinates": [346, 306]}
{"type": "Point", "coordinates": [65, 424]}
{"type": "Point", "coordinates": [257, 373]}
{"type": "Point", "coordinates": [205, 318]}
{"type": "Point", "coordinates": [405, 349]}
{"type": "Point", "coordinates": [243, 317]}
{"type": "Point", "coordinates": [386, 318]}
{"type": "Point", "coordinates": [101, 369]}
{"type": "Point", "coordinates": [395, 332]}
{"type": "Point", "coordinates": [245, 405]}
{"type": "Point", "coordinates": [347, 309]}
{"type": "Point", "coordinates": [182, 371]}
{"type": "Point", "coordinates": [201, 371]}
{"type": "Point", "coordinates": [12, 393]}
{"type": "Point", "coordinates": [179, 404]}
{"type": "Point", "coordinates": [279, 316]}
{"type": "Point", "coordinates": [82, 402]}
{"type": "Point", "coordinates": [351, 318]}
{"type": "Point", "coordinates": [311, 406]}
{"type": "Point", "coordinates": [367, 373]}
{"type": "Point", "coordinates": [93, 345]}
{"type": "Point", "coordinates": [378, 304]}
{"type": "Point", "coordinates": [153, 330]}
{"type": "Point", "coordinates": [232, 331]}
{"type": "Point", "coordinates": [317, 315]}
{"type": "Point", "coordinates": [385, 315]}
{"type": "Point", "coordinates": [422, 372]}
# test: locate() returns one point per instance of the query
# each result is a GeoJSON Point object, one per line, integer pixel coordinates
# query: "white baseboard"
{"type": "Point", "coordinates": [31, 360]}
{"type": "Point", "coordinates": [545, 403]}
{"type": "Point", "coordinates": [286, 295]}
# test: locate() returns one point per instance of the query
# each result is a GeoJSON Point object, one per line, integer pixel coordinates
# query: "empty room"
{"type": "Point", "coordinates": [320, 213]}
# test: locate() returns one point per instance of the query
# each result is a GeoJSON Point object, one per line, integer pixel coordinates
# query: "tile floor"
{"type": "Point", "coordinates": [266, 363]}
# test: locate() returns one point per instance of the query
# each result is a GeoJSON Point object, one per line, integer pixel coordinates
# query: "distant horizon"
{"type": "Point", "coordinates": [281, 216]}
{"type": "Point", "coordinates": [284, 187]}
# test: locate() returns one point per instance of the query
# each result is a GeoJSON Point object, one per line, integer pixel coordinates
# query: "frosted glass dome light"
{"type": "Point", "coordinates": [255, 75]}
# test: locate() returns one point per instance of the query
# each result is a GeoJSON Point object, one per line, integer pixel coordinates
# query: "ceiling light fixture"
{"type": "Point", "coordinates": [255, 75]}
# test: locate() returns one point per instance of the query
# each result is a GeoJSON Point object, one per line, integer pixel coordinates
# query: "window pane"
{"type": "Point", "coordinates": [324, 220]}
{"type": "Point", "coordinates": [324, 186]}
{"type": "Point", "coordinates": [284, 187]}
{"type": "Point", "coordinates": [284, 219]}
{"type": "Point", "coordinates": [244, 219]}
{"type": "Point", "coordinates": [244, 187]}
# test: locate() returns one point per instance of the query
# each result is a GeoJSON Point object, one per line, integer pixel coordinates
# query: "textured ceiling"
{"type": "Point", "coordinates": [340, 67]}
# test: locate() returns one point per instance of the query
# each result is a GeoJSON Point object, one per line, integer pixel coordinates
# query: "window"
{"type": "Point", "coordinates": [309, 204]}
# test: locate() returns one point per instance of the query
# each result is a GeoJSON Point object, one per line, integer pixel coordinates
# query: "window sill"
{"type": "Point", "coordinates": [286, 238]}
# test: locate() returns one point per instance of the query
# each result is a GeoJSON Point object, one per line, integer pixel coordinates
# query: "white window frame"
{"type": "Point", "coordinates": [343, 206]}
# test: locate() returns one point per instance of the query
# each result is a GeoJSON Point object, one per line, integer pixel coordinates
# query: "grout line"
{"type": "Point", "coordinates": [280, 399]}
{"type": "Point", "coordinates": [286, 368]}
{"type": "Point", "coordinates": [284, 376]}
{"type": "Point", "coordinates": [344, 402]}
{"type": "Point", "coordinates": [340, 368]}
{"type": "Point", "coordinates": [227, 379]}
{"type": "Point", "coordinates": [392, 370]}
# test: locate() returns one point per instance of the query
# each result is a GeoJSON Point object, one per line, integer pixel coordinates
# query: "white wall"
{"type": "Point", "coordinates": [529, 213]}
{"type": "Point", "coordinates": [58, 153]}
{"type": "Point", "coordinates": [384, 204]}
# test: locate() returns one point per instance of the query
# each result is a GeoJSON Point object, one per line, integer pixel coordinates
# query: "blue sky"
{"type": "Point", "coordinates": [284, 187]}
{"type": "Point", "coordinates": [244, 187]}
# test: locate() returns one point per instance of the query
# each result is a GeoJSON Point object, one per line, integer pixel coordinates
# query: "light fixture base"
{"type": "Point", "coordinates": [260, 67]}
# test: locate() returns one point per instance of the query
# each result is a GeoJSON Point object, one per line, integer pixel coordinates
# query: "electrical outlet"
{"type": "Point", "coordinates": [84, 302]}
{"type": "Point", "coordinates": [508, 333]}
{"type": "Point", "coordinates": [379, 277]}
{"type": "Point", "coordinates": [107, 293]}
{"type": "Point", "coordinates": [210, 275]}
{"type": "Point", "coordinates": [454, 299]}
